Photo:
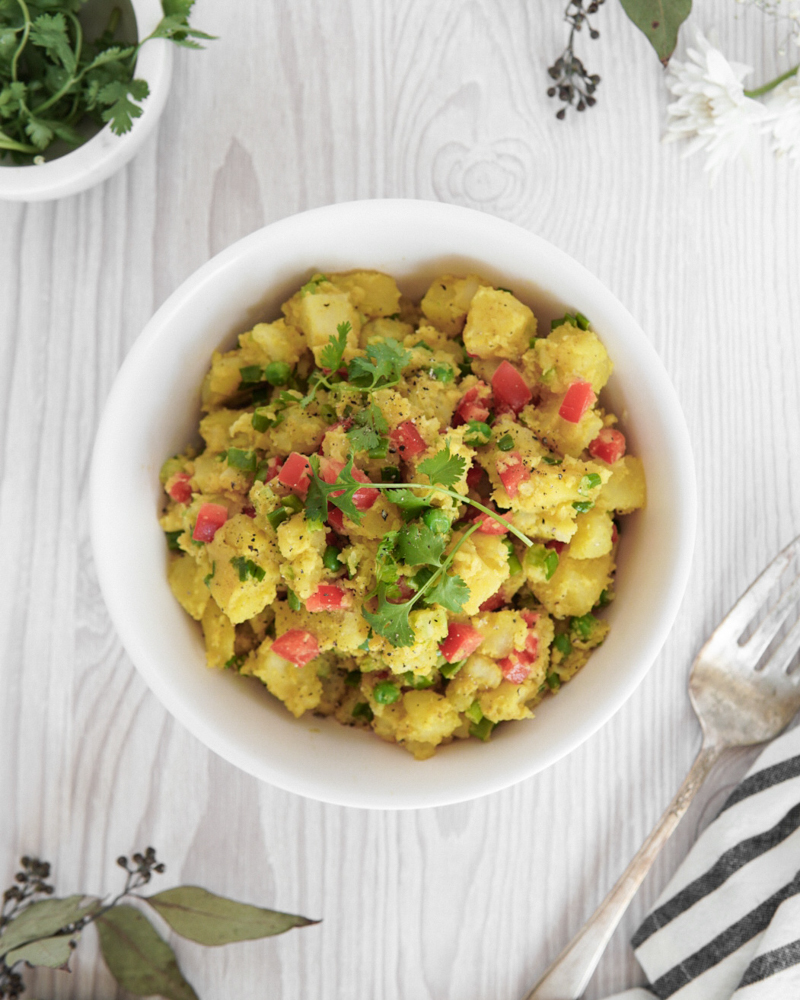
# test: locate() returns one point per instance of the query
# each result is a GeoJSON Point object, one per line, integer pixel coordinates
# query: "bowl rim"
{"type": "Point", "coordinates": [102, 527]}
{"type": "Point", "coordinates": [105, 153]}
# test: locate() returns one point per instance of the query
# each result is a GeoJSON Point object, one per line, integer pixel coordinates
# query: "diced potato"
{"type": "Point", "coordinates": [341, 631]}
{"type": "Point", "coordinates": [625, 491]}
{"type": "Point", "coordinates": [447, 301]}
{"type": "Point", "coordinates": [298, 431]}
{"type": "Point", "coordinates": [593, 535]}
{"type": "Point", "coordinates": [187, 581]}
{"type": "Point", "coordinates": [570, 355]}
{"type": "Point", "coordinates": [319, 313]}
{"type": "Point", "coordinates": [482, 563]}
{"type": "Point", "coordinates": [430, 627]}
{"type": "Point", "coordinates": [222, 380]}
{"type": "Point", "coordinates": [268, 342]}
{"type": "Point", "coordinates": [479, 673]}
{"type": "Point", "coordinates": [429, 718]}
{"type": "Point", "coordinates": [298, 688]}
{"type": "Point", "coordinates": [507, 702]}
{"type": "Point", "coordinates": [498, 325]}
{"type": "Point", "coordinates": [381, 329]}
{"type": "Point", "coordinates": [215, 429]}
{"type": "Point", "coordinates": [237, 543]}
{"type": "Point", "coordinates": [374, 294]}
{"type": "Point", "coordinates": [302, 547]}
{"type": "Point", "coordinates": [558, 434]}
{"type": "Point", "coordinates": [575, 587]}
{"type": "Point", "coordinates": [502, 632]}
{"type": "Point", "coordinates": [219, 635]}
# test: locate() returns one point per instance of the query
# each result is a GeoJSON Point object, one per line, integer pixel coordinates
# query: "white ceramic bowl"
{"type": "Point", "coordinates": [152, 412]}
{"type": "Point", "coordinates": [104, 153]}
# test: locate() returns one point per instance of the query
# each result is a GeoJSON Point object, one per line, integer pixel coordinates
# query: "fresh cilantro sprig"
{"type": "Point", "coordinates": [331, 359]}
{"type": "Point", "coordinates": [391, 620]}
{"type": "Point", "coordinates": [369, 428]}
{"type": "Point", "coordinates": [52, 78]}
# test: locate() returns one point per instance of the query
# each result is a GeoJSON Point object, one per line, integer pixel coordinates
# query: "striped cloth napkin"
{"type": "Point", "coordinates": [727, 927]}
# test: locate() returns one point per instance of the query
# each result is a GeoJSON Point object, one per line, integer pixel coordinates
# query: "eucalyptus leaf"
{"type": "Point", "coordinates": [139, 960]}
{"type": "Point", "coordinates": [44, 919]}
{"type": "Point", "coordinates": [660, 20]}
{"type": "Point", "coordinates": [209, 919]}
{"type": "Point", "coordinates": [54, 952]}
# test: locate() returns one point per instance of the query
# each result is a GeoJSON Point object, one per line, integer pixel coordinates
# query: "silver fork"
{"type": "Point", "coordinates": [737, 705]}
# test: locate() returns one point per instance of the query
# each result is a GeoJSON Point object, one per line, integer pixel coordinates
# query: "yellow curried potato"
{"type": "Point", "coordinates": [498, 325]}
{"type": "Point", "coordinates": [575, 587]}
{"type": "Point", "coordinates": [219, 635]}
{"type": "Point", "coordinates": [400, 614]}
{"type": "Point", "coordinates": [447, 301]}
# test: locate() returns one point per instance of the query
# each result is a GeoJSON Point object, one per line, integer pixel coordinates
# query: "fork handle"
{"type": "Point", "coordinates": [569, 975]}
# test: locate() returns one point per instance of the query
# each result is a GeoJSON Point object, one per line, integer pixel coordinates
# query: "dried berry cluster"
{"type": "Point", "coordinates": [573, 84]}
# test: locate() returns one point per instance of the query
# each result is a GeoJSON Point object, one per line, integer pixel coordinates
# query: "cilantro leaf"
{"type": "Point", "coordinates": [39, 132]}
{"type": "Point", "coordinates": [317, 497]}
{"type": "Point", "coordinates": [418, 545]}
{"type": "Point", "coordinates": [391, 620]}
{"type": "Point", "coordinates": [49, 32]}
{"type": "Point", "coordinates": [443, 469]}
{"type": "Point", "coordinates": [369, 426]}
{"type": "Point", "coordinates": [385, 563]}
{"type": "Point", "coordinates": [381, 367]}
{"type": "Point", "coordinates": [409, 503]}
{"type": "Point", "coordinates": [448, 591]}
{"type": "Point", "coordinates": [121, 98]}
{"type": "Point", "coordinates": [340, 493]}
{"type": "Point", "coordinates": [332, 353]}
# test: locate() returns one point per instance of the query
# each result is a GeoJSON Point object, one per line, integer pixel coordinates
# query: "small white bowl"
{"type": "Point", "coordinates": [105, 152]}
{"type": "Point", "coordinates": [152, 412]}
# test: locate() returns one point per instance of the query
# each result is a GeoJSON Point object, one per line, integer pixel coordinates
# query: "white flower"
{"type": "Point", "coordinates": [784, 118]}
{"type": "Point", "coordinates": [712, 110]}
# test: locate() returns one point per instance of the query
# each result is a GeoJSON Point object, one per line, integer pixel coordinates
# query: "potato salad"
{"type": "Point", "coordinates": [403, 515]}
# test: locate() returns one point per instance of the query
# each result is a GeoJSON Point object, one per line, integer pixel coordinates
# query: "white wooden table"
{"type": "Point", "coordinates": [297, 105]}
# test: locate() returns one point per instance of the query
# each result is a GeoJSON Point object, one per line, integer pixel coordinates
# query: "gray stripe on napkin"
{"type": "Point", "coordinates": [770, 963]}
{"type": "Point", "coordinates": [727, 864]}
{"type": "Point", "coordinates": [724, 944]}
{"type": "Point", "coordinates": [761, 780]}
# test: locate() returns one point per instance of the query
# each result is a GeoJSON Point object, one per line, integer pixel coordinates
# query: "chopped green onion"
{"type": "Point", "coordinates": [532, 342]}
{"type": "Point", "coordinates": [552, 460]}
{"type": "Point", "coordinates": [548, 375]}
{"type": "Point", "coordinates": [386, 693]}
{"type": "Point", "coordinates": [210, 576]}
{"type": "Point", "coordinates": [244, 460]}
{"type": "Point", "coordinates": [464, 368]}
{"type": "Point", "coordinates": [250, 374]}
{"type": "Point", "coordinates": [235, 662]}
{"type": "Point", "coordinates": [381, 450]}
{"type": "Point", "coordinates": [478, 433]}
{"type": "Point", "coordinates": [514, 565]}
{"type": "Point", "coordinates": [562, 644]}
{"type": "Point", "coordinates": [508, 544]}
{"type": "Point", "coordinates": [507, 290]}
{"type": "Point", "coordinates": [583, 626]}
{"type": "Point", "coordinates": [582, 505]}
{"type": "Point", "coordinates": [553, 681]}
{"type": "Point", "coordinates": [604, 599]}
{"type": "Point", "coordinates": [551, 563]}
{"type": "Point", "coordinates": [418, 683]}
{"type": "Point", "coordinates": [293, 503]}
{"type": "Point", "coordinates": [278, 373]}
{"type": "Point", "coordinates": [172, 540]}
{"type": "Point", "coordinates": [474, 713]}
{"type": "Point", "coordinates": [362, 711]}
{"type": "Point", "coordinates": [506, 443]}
{"type": "Point", "coordinates": [390, 474]}
{"type": "Point", "coordinates": [330, 559]}
{"type": "Point", "coordinates": [582, 321]}
{"type": "Point", "coordinates": [436, 520]}
{"type": "Point", "coordinates": [247, 568]}
{"type": "Point", "coordinates": [482, 730]}
{"type": "Point", "coordinates": [542, 558]}
{"type": "Point", "coordinates": [352, 678]}
{"type": "Point", "coordinates": [294, 601]}
{"type": "Point", "coordinates": [590, 482]}
{"type": "Point", "coordinates": [421, 343]}
{"type": "Point", "coordinates": [566, 318]}
{"type": "Point", "coordinates": [261, 422]}
{"type": "Point", "coordinates": [276, 517]}
{"type": "Point", "coordinates": [261, 471]}
{"type": "Point", "coordinates": [449, 670]}
{"type": "Point", "coordinates": [442, 373]}
{"type": "Point", "coordinates": [260, 395]}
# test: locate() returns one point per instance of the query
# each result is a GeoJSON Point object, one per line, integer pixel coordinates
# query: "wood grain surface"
{"type": "Point", "coordinates": [297, 105]}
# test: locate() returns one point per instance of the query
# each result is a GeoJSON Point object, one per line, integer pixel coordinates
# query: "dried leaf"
{"type": "Point", "coordinates": [208, 919]}
{"type": "Point", "coordinates": [139, 960]}
{"type": "Point", "coordinates": [54, 952]}
{"type": "Point", "coordinates": [660, 20]}
{"type": "Point", "coordinates": [43, 919]}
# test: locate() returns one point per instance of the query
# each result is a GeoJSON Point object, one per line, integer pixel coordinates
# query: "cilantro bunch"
{"type": "Point", "coordinates": [52, 78]}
